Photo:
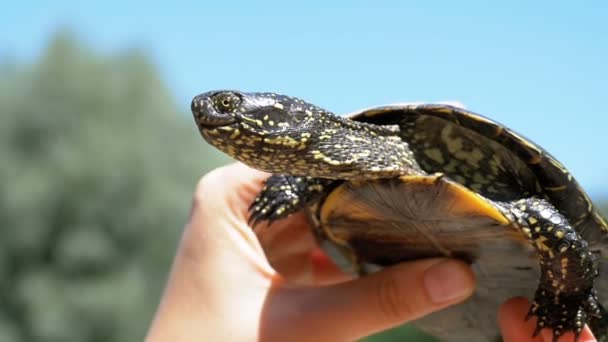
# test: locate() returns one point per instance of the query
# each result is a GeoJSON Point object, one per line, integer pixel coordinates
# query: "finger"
{"type": "Point", "coordinates": [292, 250]}
{"type": "Point", "coordinates": [229, 188]}
{"type": "Point", "coordinates": [217, 233]}
{"type": "Point", "coordinates": [287, 244]}
{"type": "Point", "coordinates": [382, 300]}
{"type": "Point", "coordinates": [325, 271]}
{"type": "Point", "coordinates": [513, 326]}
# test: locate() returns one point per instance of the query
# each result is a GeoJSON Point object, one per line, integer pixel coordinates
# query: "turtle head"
{"type": "Point", "coordinates": [260, 114]}
{"type": "Point", "coordinates": [259, 129]}
{"type": "Point", "coordinates": [283, 134]}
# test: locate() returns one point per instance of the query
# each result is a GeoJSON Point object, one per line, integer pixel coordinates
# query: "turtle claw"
{"type": "Point", "coordinates": [278, 199]}
{"type": "Point", "coordinates": [562, 314]}
{"type": "Point", "coordinates": [267, 211]}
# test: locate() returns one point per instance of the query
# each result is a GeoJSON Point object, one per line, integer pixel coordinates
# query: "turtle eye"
{"type": "Point", "coordinates": [226, 102]}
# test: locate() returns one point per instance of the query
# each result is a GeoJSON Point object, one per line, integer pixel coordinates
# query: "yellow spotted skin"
{"type": "Point", "coordinates": [403, 182]}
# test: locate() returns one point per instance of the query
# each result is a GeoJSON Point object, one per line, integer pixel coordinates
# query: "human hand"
{"type": "Point", "coordinates": [515, 329]}
{"type": "Point", "coordinates": [228, 283]}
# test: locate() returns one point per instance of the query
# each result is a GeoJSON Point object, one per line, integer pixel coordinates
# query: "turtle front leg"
{"type": "Point", "coordinates": [565, 299]}
{"type": "Point", "coordinates": [283, 195]}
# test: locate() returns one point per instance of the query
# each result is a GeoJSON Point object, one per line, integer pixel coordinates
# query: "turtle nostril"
{"type": "Point", "coordinates": [195, 105]}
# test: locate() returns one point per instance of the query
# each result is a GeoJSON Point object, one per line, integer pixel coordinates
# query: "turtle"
{"type": "Point", "coordinates": [402, 182]}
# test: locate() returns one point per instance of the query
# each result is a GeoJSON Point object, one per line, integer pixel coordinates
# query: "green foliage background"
{"type": "Point", "coordinates": [97, 168]}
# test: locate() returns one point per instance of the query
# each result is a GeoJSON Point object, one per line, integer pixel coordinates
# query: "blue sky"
{"type": "Point", "coordinates": [540, 67]}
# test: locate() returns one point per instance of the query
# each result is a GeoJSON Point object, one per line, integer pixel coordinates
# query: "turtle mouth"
{"type": "Point", "coordinates": [210, 122]}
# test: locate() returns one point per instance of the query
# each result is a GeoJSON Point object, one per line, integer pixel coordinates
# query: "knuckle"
{"type": "Point", "coordinates": [391, 300]}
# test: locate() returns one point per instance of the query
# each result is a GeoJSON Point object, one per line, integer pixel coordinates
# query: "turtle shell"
{"type": "Point", "coordinates": [489, 158]}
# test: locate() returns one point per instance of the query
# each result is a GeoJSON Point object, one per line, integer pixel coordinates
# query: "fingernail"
{"type": "Point", "coordinates": [447, 280]}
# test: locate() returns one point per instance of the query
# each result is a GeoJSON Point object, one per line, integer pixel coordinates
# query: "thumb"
{"type": "Point", "coordinates": [396, 295]}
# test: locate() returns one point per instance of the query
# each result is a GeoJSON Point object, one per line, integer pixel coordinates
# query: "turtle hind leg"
{"type": "Point", "coordinates": [283, 195]}
{"type": "Point", "coordinates": [565, 299]}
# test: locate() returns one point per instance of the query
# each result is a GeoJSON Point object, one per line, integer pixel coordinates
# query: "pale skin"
{"type": "Point", "coordinates": [229, 283]}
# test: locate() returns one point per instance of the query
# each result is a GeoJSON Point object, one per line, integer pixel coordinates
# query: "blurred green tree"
{"type": "Point", "coordinates": [98, 167]}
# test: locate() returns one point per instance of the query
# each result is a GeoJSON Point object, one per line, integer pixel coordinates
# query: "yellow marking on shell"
{"type": "Point", "coordinates": [283, 124]}
{"type": "Point", "coordinates": [435, 155]}
{"type": "Point", "coordinates": [305, 135]}
{"type": "Point", "coordinates": [601, 221]}
{"type": "Point", "coordinates": [324, 137]}
{"type": "Point", "coordinates": [279, 105]}
{"type": "Point", "coordinates": [271, 123]}
{"type": "Point", "coordinates": [471, 157]}
{"type": "Point", "coordinates": [453, 144]}
{"type": "Point", "coordinates": [559, 234]}
{"type": "Point", "coordinates": [525, 142]}
{"type": "Point", "coordinates": [442, 110]}
{"type": "Point", "coordinates": [480, 178]}
{"type": "Point", "coordinates": [265, 117]}
{"type": "Point", "coordinates": [451, 166]}
{"type": "Point", "coordinates": [586, 199]}
{"type": "Point", "coordinates": [535, 159]}
{"type": "Point", "coordinates": [483, 120]}
{"type": "Point", "coordinates": [532, 220]}
{"type": "Point", "coordinates": [499, 131]}
{"type": "Point", "coordinates": [558, 165]}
